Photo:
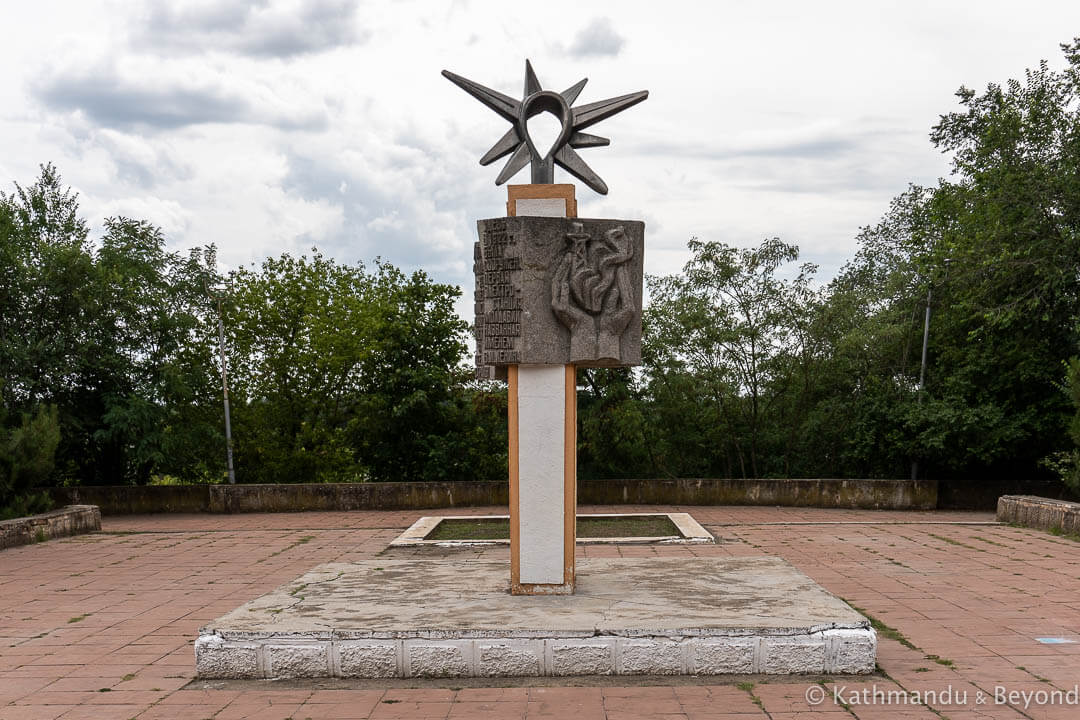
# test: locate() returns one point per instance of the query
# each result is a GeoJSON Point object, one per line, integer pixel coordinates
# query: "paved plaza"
{"type": "Point", "coordinates": [102, 626]}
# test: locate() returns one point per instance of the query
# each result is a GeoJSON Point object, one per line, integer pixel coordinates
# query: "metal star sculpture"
{"type": "Point", "coordinates": [574, 119]}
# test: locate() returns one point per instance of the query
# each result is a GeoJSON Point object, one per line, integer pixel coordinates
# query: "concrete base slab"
{"type": "Point", "coordinates": [455, 618]}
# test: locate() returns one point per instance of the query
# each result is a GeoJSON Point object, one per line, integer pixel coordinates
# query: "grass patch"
{"type": "Point", "coordinates": [748, 688]}
{"type": "Point", "coordinates": [884, 630]}
{"type": "Point", "coordinates": [940, 660]}
{"type": "Point", "coordinates": [302, 541]}
{"type": "Point", "coordinates": [986, 540]}
{"type": "Point", "coordinates": [1057, 531]}
{"type": "Point", "coordinates": [587, 527]}
{"type": "Point", "coordinates": [957, 543]}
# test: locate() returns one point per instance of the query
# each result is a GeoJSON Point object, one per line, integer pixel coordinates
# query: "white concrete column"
{"type": "Point", "coordinates": [541, 396]}
{"type": "Point", "coordinates": [543, 444]}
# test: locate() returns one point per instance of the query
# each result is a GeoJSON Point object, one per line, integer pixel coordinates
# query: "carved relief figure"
{"type": "Point", "coordinates": [591, 293]}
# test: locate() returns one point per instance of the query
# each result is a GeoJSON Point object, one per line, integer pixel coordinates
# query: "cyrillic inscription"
{"type": "Point", "coordinates": [497, 268]}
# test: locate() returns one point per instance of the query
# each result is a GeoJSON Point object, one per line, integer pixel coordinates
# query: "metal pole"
{"type": "Point", "coordinates": [925, 341]}
{"type": "Point", "coordinates": [922, 369]}
{"type": "Point", "coordinates": [225, 393]}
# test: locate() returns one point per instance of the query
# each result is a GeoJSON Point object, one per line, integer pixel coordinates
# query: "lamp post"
{"type": "Point", "coordinates": [225, 390]}
{"type": "Point", "coordinates": [922, 367]}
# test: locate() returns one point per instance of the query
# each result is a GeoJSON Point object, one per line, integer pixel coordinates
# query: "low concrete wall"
{"type": "Point", "coordinates": [137, 499]}
{"type": "Point", "coordinates": [865, 494]}
{"type": "Point", "coordinates": [975, 492]}
{"type": "Point", "coordinates": [825, 493]}
{"type": "Point", "coordinates": [1039, 512]}
{"type": "Point", "coordinates": [71, 520]}
{"type": "Point", "coordinates": [129, 499]}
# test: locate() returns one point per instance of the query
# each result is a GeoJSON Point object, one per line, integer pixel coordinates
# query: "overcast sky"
{"type": "Point", "coordinates": [277, 125]}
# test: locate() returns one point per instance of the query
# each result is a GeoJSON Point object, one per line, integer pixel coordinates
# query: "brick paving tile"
{"type": "Point", "coordinates": [788, 697]}
{"type": "Point", "coordinates": [649, 691]}
{"type": "Point", "coordinates": [723, 699]}
{"type": "Point", "coordinates": [219, 697]}
{"type": "Point", "coordinates": [579, 695]}
{"type": "Point", "coordinates": [333, 711]}
{"type": "Point", "coordinates": [419, 695]}
{"type": "Point", "coordinates": [466, 709]}
{"type": "Point", "coordinates": [811, 715]}
{"type": "Point", "coordinates": [103, 712]}
{"type": "Point", "coordinates": [642, 705]}
{"type": "Point", "coordinates": [55, 698]}
{"type": "Point", "coordinates": [17, 686]}
{"type": "Point", "coordinates": [990, 713]}
{"type": "Point", "coordinates": [128, 697]}
{"type": "Point", "coordinates": [555, 710]}
{"type": "Point", "coordinates": [248, 705]}
{"type": "Point", "coordinates": [33, 712]}
{"type": "Point", "coordinates": [888, 712]}
{"type": "Point", "coordinates": [497, 695]}
{"type": "Point", "coordinates": [120, 610]}
{"type": "Point", "coordinates": [362, 698]}
{"type": "Point", "coordinates": [409, 709]}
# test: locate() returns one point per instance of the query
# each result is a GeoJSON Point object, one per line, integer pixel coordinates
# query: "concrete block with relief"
{"type": "Point", "coordinates": [558, 291]}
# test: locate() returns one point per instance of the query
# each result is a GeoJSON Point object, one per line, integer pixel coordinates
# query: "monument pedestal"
{"type": "Point", "coordinates": [452, 617]}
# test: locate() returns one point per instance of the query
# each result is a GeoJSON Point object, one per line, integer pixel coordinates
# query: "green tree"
{"type": "Point", "coordinates": [719, 343]}
{"type": "Point", "coordinates": [1066, 463]}
{"type": "Point", "coordinates": [615, 439]}
{"type": "Point", "coordinates": [151, 359]}
{"type": "Point", "coordinates": [340, 374]}
{"type": "Point", "coordinates": [45, 281]}
{"type": "Point", "coordinates": [998, 244]}
{"type": "Point", "coordinates": [113, 336]}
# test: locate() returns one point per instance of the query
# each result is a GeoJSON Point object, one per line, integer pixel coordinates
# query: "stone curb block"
{"type": "Point", "coordinates": [367, 659]}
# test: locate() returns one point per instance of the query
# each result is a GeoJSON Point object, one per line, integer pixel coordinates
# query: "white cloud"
{"type": "Point", "coordinates": [168, 215]}
{"type": "Point", "coordinates": [279, 28]}
{"type": "Point", "coordinates": [598, 38]}
{"type": "Point", "coordinates": [270, 126]}
{"type": "Point", "coordinates": [152, 93]}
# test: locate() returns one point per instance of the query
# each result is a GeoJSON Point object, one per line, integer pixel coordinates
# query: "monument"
{"type": "Point", "coordinates": [553, 293]}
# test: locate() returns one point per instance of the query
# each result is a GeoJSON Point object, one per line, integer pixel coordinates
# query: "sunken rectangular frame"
{"type": "Point", "coordinates": [690, 530]}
